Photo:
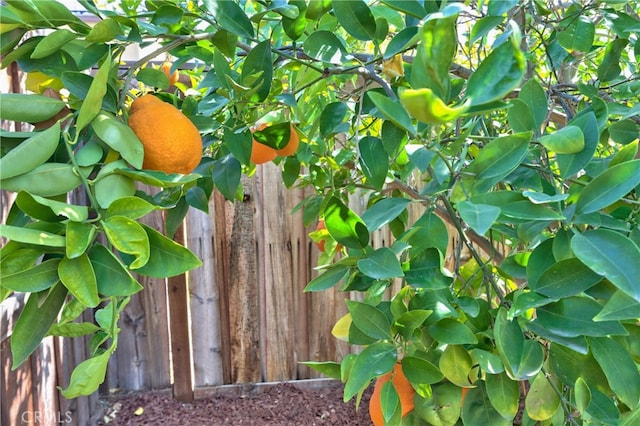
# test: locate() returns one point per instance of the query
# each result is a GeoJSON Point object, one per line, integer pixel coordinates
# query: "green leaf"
{"type": "Point", "coordinates": [239, 143]}
{"type": "Point", "coordinates": [356, 18]}
{"type": "Point", "coordinates": [28, 108]}
{"type": "Point", "coordinates": [582, 395]}
{"type": "Point", "coordinates": [31, 236]}
{"type": "Point", "coordinates": [93, 102]}
{"type": "Point", "coordinates": [131, 207]}
{"type": "Point", "coordinates": [120, 138]}
{"type": "Point", "coordinates": [46, 180]}
{"type": "Point", "coordinates": [328, 368]}
{"type": "Point", "coordinates": [571, 164]}
{"type": "Point", "coordinates": [52, 42]}
{"type": "Point", "coordinates": [611, 255]}
{"type": "Point", "coordinates": [226, 175]}
{"type": "Point", "coordinates": [383, 212]}
{"type": "Point", "coordinates": [624, 131]}
{"type": "Point", "coordinates": [78, 276]}
{"type": "Point", "coordinates": [375, 360]}
{"type": "Point", "coordinates": [34, 322]}
{"type": "Point", "coordinates": [87, 376]}
{"type": "Point", "coordinates": [578, 35]}
{"type": "Point", "coordinates": [38, 278]}
{"type": "Point", "coordinates": [603, 409]}
{"type": "Point", "coordinates": [79, 236]}
{"type": "Point", "coordinates": [344, 225]}
{"type": "Point", "coordinates": [325, 46]}
{"type": "Point", "coordinates": [497, 160]}
{"type": "Point", "coordinates": [566, 278]}
{"type": "Point", "coordinates": [392, 111]}
{"type": "Point", "coordinates": [294, 26]}
{"type": "Point", "coordinates": [519, 116]}
{"type": "Point", "coordinates": [257, 70]}
{"type": "Point", "coordinates": [428, 231]}
{"type": "Point", "coordinates": [480, 217]}
{"type": "Point", "coordinates": [166, 257]}
{"type": "Point", "coordinates": [50, 210]}
{"type": "Point", "coordinates": [400, 41]}
{"type": "Point", "coordinates": [609, 68]}
{"type": "Point", "coordinates": [112, 277]}
{"type": "Point", "coordinates": [230, 17]}
{"type": "Point", "coordinates": [620, 369]}
{"type": "Point", "coordinates": [153, 77]}
{"type": "Point", "coordinates": [73, 329]}
{"type": "Point", "coordinates": [489, 362]}
{"type": "Point", "coordinates": [609, 187]}
{"type": "Point", "coordinates": [374, 160]}
{"type": "Point", "coordinates": [128, 236]}
{"type": "Point", "coordinates": [328, 278]}
{"type": "Point", "coordinates": [410, 7]}
{"type": "Point", "coordinates": [425, 270]}
{"type": "Point", "coordinates": [110, 186]}
{"type": "Point", "coordinates": [389, 402]}
{"type": "Point", "coordinates": [382, 264]}
{"type": "Point", "coordinates": [159, 179]}
{"type": "Point", "coordinates": [573, 317]}
{"type": "Point", "coordinates": [452, 332]}
{"type": "Point", "coordinates": [504, 394]}
{"type": "Point", "coordinates": [499, 73]}
{"type": "Point", "coordinates": [567, 140]}
{"type": "Point", "coordinates": [620, 306]}
{"type": "Point", "coordinates": [542, 401]}
{"type": "Point", "coordinates": [483, 26]}
{"type": "Point", "coordinates": [419, 371]}
{"type": "Point", "coordinates": [456, 363]}
{"type": "Point", "coordinates": [331, 117]}
{"type": "Point", "coordinates": [103, 31]}
{"type": "Point", "coordinates": [370, 320]}
{"type": "Point", "coordinates": [535, 97]}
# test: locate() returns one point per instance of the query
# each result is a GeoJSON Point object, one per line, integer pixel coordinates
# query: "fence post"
{"type": "Point", "coordinates": [179, 327]}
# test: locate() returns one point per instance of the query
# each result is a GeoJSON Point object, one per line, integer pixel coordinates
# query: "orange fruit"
{"type": "Point", "coordinates": [172, 143]}
{"type": "Point", "coordinates": [292, 146]}
{"type": "Point", "coordinates": [261, 153]}
{"type": "Point", "coordinates": [403, 387]}
{"type": "Point", "coordinates": [173, 77]}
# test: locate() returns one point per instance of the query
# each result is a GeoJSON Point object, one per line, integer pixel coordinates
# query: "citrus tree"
{"type": "Point", "coordinates": [511, 126]}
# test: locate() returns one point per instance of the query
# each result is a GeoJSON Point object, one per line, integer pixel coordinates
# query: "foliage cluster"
{"type": "Point", "coordinates": [516, 123]}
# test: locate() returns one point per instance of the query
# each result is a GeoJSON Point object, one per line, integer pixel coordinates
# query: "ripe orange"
{"type": "Point", "coordinates": [403, 387]}
{"type": "Point", "coordinates": [261, 153]}
{"type": "Point", "coordinates": [173, 77]}
{"type": "Point", "coordinates": [172, 143]}
{"type": "Point", "coordinates": [291, 147]}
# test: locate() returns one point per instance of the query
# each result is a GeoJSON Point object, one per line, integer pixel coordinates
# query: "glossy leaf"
{"type": "Point", "coordinates": [609, 68]}
{"type": "Point", "coordinates": [420, 371]}
{"type": "Point", "coordinates": [620, 306]}
{"type": "Point", "coordinates": [570, 164]}
{"type": "Point", "coordinates": [504, 394]}
{"type": "Point", "coordinates": [93, 102]}
{"type": "Point", "coordinates": [611, 255]}
{"type": "Point", "coordinates": [49, 210]}
{"type": "Point", "coordinates": [578, 35]}
{"type": "Point", "coordinates": [519, 116]}
{"type": "Point", "coordinates": [428, 231]}
{"type": "Point", "coordinates": [392, 111]}
{"type": "Point", "coordinates": [620, 369]}
{"type": "Point", "coordinates": [331, 117]}
{"type": "Point", "coordinates": [231, 17]}
{"type": "Point", "coordinates": [52, 43]}
{"type": "Point", "coordinates": [327, 279]}
{"type": "Point", "coordinates": [374, 161]}
{"type": "Point", "coordinates": [356, 18]}
{"type": "Point", "coordinates": [31, 236]}
{"type": "Point", "coordinates": [582, 395]}
{"type": "Point", "coordinates": [87, 376]}
{"type": "Point", "coordinates": [498, 74]}
{"type": "Point", "coordinates": [383, 212]}
{"type": "Point", "coordinates": [455, 363]}
{"type": "Point", "coordinates": [609, 186]}
{"type": "Point", "coordinates": [112, 186]}
{"type": "Point", "coordinates": [452, 332]}
{"type": "Point", "coordinates": [166, 257]}
{"type": "Point", "coordinates": [477, 410]}
{"type": "Point", "coordinates": [103, 31]}
{"type": "Point", "coordinates": [369, 320]}
{"type": "Point", "coordinates": [573, 317]}
{"type": "Point", "coordinates": [567, 140]}
{"type": "Point", "coordinates": [129, 237]}
{"type": "Point", "coordinates": [131, 207]}
{"type": "Point", "coordinates": [328, 368]}
{"type": "Point", "coordinates": [425, 270]}
{"type": "Point", "coordinates": [78, 276]}
{"type": "Point", "coordinates": [344, 225]}
{"type": "Point", "coordinates": [47, 180]}
{"type": "Point", "coordinates": [542, 401]}
{"type": "Point", "coordinates": [325, 46]}
{"type": "Point", "coordinates": [79, 237]}
{"type": "Point", "coordinates": [28, 108]}
{"type": "Point", "coordinates": [112, 277]}
{"type": "Point", "coordinates": [226, 175]}
{"type": "Point", "coordinates": [535, 97]}
{"type": "Point", "coordinates": [375, 360]}
{"type": "Point", "coordinates": [566, 278]}
{"type": "Point", "coordinates": [257, 70]}
{"type": "Point", "coordinates": [488, 361]}
{"type": "Point", "coordinates": [31, 153]}
{"type": "Point", "coordinates": [480, 217]}
{"type": "Point", "coordinates": [35, 279]}
{"type": "Point", "coordinates": [34, 322]}
{"type": "Point", "coordinates": [382, 264]}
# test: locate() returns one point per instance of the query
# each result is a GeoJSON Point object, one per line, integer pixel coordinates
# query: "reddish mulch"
{"type": "Point", "coordinates": [283, 404]}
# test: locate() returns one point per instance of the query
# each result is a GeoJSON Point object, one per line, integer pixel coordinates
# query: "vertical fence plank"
{"type": "Point", "coordinates": [243, 307]}
{"type": "Point", "coordinates": [179, 329]}
{"type": "Point", "coordinates": [204, 301]}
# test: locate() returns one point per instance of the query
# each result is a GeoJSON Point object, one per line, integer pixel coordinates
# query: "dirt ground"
{"type": "Point", "coordinates": [283, 404]}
